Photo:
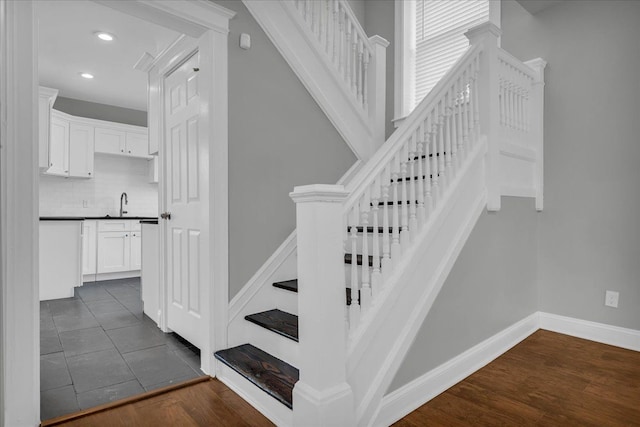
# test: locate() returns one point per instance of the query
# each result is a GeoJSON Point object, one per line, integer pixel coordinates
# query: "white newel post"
{"type": "Point", "coordinates": [322, 396]}
{"type": "Point", "coordinates": [537, 126]}
{"type": "Point", "coordinates": [488, 88]}
{"type": "Point", "coordinates": [377, 90]}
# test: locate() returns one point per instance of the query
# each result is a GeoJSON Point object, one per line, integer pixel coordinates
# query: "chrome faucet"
{"type": "Point", "coordinates": [126, 202]}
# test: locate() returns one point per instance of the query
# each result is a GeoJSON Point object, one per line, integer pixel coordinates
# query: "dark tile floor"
{"type": "Point", "coordinates": [99, 347]}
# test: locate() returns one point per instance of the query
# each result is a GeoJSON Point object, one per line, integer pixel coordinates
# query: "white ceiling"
{"type": "Point", "coordinates": [68, 46]}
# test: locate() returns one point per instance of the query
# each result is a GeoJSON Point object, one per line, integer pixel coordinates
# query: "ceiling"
{"type": "Point", "coordinates": [535, 6]}
{"type": "Point", "coordinates": [68, 46]}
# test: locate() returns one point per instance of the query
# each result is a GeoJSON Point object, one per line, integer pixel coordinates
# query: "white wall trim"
{"type": "Point", "coordinates": [19, 150]}
{"type": "Point", "coordinates": [593, 331]}
{"type": "Point", "coordinates": [411, 396]}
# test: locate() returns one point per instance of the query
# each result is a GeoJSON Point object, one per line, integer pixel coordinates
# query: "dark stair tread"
{"type": "Point", "coordinates": [391, 203]}
{"type": "Point", "coordinates": [292, 285]}
{"type": "Point", "coordinates": [348, 259]}
{"type": "Point", "coordinates": [360, 229]}
{"type": "Point", "coordinates": [415, 178]}
{"type": "Point", "coordinates": [289, 285]}
{"type": "Point", "coordinates": [278, 321]}
{"type": "Point", "coordinates": [270, 374]}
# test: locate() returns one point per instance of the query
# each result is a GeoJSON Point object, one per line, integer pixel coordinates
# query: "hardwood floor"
{"type": "Point", "coordinates": [547, 380]}
{"type": "Point", "coordinates": [209, 403]}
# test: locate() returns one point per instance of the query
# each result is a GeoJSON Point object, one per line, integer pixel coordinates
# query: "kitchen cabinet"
{"type": "Point", "coordinates": [154, 166]}
{"type": "Point", "coordinates": [59, 147]}
{"type": "Point", "coordinates": [136, 250]}
{"type": "Point", "coordinates": [114, 251]}
{"type": "Point", "coordinates": [71, 147]}
{"type": "Point", "coordinates": [81, 150]}
{"type": "Point", "coordinates": [119, 247]}
{"type": "Point", "coordinates": [60, 246]}
{"type": "Point", "coordinates": [122, 141]}
{"type": "Point", "coordinates": [46, 99]}
{"type": "Point", "coordinates": [89, 247]}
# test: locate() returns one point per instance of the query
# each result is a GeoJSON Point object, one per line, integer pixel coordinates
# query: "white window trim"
{"type": "Point", "coordinates": [405, 55]}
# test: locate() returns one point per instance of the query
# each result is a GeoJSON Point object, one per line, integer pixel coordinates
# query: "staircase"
{"type": "Point", "coordinates": [324, 326]}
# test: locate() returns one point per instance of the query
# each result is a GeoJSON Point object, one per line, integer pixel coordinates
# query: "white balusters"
{"type": "Point", "coordinates": [341, 37]}
{"type": "Point", "coordinates": [386, 241]}
{"type": "Point", "coordinates": [413, 219]}
{"type": "Point", "coordinates": [395, 236]}
{"type": "Point", "coordinates": [376, 275]}
{"type": "Point", "coordinates": [403, 193]}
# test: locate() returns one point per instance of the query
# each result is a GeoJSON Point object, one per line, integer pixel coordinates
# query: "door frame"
{"type": "Point", "coordinates": [19, 192]}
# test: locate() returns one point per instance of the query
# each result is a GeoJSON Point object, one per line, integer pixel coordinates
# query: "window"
{"type": "Point", "coordinates": [429, 40]}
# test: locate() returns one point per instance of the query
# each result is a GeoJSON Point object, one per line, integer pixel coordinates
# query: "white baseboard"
{"type": "Point", "coordinates": [408, 398]}
{"type": "Point", "coordinates": [593, 331]}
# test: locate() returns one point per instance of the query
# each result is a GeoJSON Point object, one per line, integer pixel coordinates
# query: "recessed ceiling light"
{"type": "Point", "coordinates": [86, 75]}
{"type": "Point", "coordinates": [105, 36]}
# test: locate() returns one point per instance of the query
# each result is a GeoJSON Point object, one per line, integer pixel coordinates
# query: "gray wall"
{"type": "Point", "coordinates": [278, 138]}
{"type": "Point", "coordinates": [492, 285]}
{"type": "Point", "coordinates": [590, 227]}
{"type": "Point", "coordinates": [358, 7]}
{"type": "Point", "coordinates": [93, 110]}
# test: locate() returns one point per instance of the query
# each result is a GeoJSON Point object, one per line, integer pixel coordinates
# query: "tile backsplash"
{"type": "Point", "coordinates": [113, 175]}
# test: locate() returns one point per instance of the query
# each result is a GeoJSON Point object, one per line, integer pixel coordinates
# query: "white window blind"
{"type": "Point", "coordinates": [440, 41]}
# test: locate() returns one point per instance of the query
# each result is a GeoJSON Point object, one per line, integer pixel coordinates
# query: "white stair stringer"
{"type": "Point", "coordinates": [387, 331]}
{"type": "Point", "coordinates": [301, 51]}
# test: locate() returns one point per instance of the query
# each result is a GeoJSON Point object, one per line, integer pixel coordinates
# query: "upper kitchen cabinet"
{"type": "Point", "coordinates": [123, 140]}
{"type": "Point", "coordinates": [81, 149]}
{"type": "Point", "coordinates": [47, 97]}
{"type": "Point", "coordinates": [70, 147]}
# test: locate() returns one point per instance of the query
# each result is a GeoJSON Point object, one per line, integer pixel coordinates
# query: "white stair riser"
{"type": "Point", "coordinates": [285, 300]}
{"type": "Point", "coordinates": [276, 345]}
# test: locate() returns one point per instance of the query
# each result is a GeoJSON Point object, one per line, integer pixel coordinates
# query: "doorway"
{"type": "Point", "coordinates": [208, 23]}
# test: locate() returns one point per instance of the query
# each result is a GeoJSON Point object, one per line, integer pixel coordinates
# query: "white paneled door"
{"type": "Point", "coordinates": [186, 193]}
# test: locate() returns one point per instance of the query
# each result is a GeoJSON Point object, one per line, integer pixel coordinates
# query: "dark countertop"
{"type": "Point", "coordinates": [82, 218]}
{"type": "Point", "coordinates": [148, 221]}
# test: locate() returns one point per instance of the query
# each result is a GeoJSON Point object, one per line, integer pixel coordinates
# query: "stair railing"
{"type": "Point", "coordinates": [358, 61]}
{"type": "Point", "coordinates": [387, 206]}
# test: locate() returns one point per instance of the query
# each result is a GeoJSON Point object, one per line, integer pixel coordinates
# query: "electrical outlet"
{"type": "Point", "coordinates": [85, 203]}
{"type": "Point", "coordinates": [611, 299]}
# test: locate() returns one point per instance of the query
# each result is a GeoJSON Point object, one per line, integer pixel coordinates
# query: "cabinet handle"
{"type": "Point", "coordinates": [89, 173]}
{"type": "Point", "coordinates": [129, 151]}
{"type": "Point", "coordinates": [122, 151]}
{"type": "Point", "coordinates": [126, 235]}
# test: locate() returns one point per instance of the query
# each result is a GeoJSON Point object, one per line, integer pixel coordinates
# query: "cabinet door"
{"type": "Point", "coordinates": [81, 149]}
{"type": "Point", "coordinates": [114, 252]}
{"type": "Point", "coordinates": [110, 141]}
{"type": "Point", "coordinates": [89, 247]}
{"type": "Point", "coordinates": [136, 250]}
{"type": "Point", "coordinates": [59, 148]}
{"type": "Point", "coordinates": [138, 145]}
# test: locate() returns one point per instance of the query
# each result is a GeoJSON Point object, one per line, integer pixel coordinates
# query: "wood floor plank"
{"type": "Point", "coordinates": [209, 403]}
{"type": "Point", "coordinates": [549, 379]}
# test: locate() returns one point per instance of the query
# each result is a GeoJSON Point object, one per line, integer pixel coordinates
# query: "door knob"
{"type": "Point", "coordinates": [165, 215]}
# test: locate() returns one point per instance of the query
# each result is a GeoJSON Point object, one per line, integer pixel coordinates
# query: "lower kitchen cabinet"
{"type": "Point", "coordinates": [89, 247]}
{"type": "Point", "coordinates": [60, 246]}
{"type": "Point", "coordinates": [114, 251]}
{"type": "Point", "coordinates": [117, 249]}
